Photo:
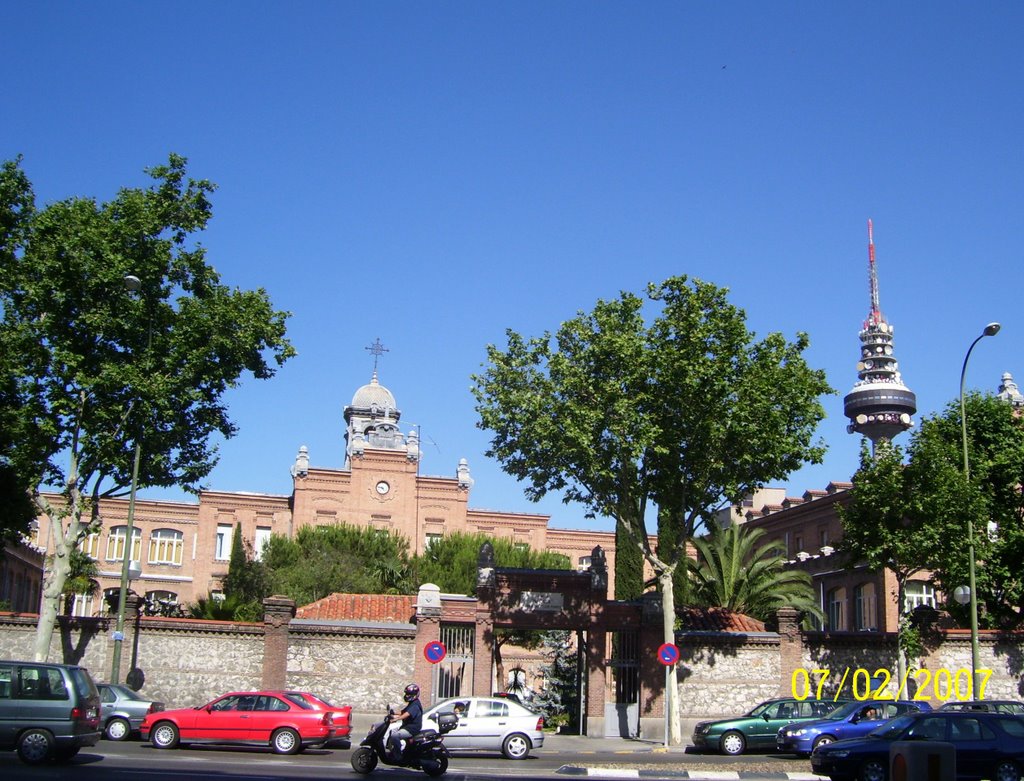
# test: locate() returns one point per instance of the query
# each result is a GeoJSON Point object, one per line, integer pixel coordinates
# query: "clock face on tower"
{"type": "Point", "coordinates": [383, 488]}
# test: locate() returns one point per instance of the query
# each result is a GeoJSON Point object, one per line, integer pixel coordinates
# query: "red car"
{"type": "Point", "coordinates": [342, 715]}
{"type": "Point", "coordinates": [286, 721]}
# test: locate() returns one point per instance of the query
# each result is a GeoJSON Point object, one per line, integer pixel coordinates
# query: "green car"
{"type": "Point", "coordinates": [759, 728]}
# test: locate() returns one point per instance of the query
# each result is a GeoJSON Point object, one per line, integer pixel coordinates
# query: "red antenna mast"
{"type": "Point", "coordinates": [876, 312]}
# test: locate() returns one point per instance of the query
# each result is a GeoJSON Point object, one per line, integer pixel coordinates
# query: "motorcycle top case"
{"type": "Point", "coordinates": [446, 722]}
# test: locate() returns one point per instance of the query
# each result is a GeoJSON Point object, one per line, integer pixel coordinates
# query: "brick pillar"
{"type": "Point", "coordinates": [428, 630]}
{"type": "Point", "coordinates": [652, 672]}
{"type": "Point", "coordinates": [597, 648]}
{"type": "Point", "coordinates": [791, 648]}
{"type": "Point", "coordinates": [278, 612]}
{"type": "Point", "coordinates": [483, 655]}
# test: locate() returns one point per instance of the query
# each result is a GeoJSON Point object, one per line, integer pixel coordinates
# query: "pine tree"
{"type": "Point", "coordinates": [558, 700]}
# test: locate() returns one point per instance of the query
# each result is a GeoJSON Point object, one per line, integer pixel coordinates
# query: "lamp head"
{"type": "Point", "coordinates": [992, 329]}
{"type": "Point", "coordinates": [133, 284]}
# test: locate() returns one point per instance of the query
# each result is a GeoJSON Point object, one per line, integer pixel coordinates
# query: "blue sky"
{"type": "Point", "coordinates": [433, 173]}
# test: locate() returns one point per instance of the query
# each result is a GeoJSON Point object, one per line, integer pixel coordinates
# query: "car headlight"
{"type": "Point", "coordinates": [701, 728]}
{"type": "Point", "coordinates": [796, 733]}
{"type": "Point", "coordinates": [839, 753]}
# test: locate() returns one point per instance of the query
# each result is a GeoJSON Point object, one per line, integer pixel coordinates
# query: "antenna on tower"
{"type": "Point", "coordinates": [876, 313]}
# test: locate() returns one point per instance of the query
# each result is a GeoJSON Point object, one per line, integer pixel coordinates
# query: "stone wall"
{"type": "Point", "coordinates": [188, 661]}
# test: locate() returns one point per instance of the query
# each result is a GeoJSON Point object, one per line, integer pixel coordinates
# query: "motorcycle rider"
{"type": "Point", "coordinates": [411, 718]}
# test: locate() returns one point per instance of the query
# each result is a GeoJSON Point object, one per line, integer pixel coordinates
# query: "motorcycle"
{"type": "Point", "coordinates": [424, 751]}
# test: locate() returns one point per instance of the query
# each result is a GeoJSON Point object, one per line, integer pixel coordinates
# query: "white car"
{"type": "Point", "coordinates": [489, 724]}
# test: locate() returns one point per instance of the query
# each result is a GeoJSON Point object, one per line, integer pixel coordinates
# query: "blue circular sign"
{"type": "Point", "coordinates": [435, 652]}
{"type": "Point", "coordinates": [668, 654]}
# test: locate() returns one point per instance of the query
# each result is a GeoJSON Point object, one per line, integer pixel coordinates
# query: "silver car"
{"type": "Point", "coordinates": [489, 724]}
{"type": "Point", "coordinates": [122, 710]}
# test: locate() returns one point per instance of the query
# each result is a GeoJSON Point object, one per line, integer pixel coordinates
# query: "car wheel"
{"type": "Point", "coordinates": [117, 729]}
{"type": "Point", "coordinates": [516, 746]}
{"type": "Point", "coordinates": [824, 740]}
{"type": "Point", "coordinates": [437, 766]}
{"type": "Point", "coordinates": [1006, 771]}
{"type": "Point", "coordinates": [285, 741]}
{"type": "Point", "coordinates": [35, 746]}
{"type": "Point", "coordinates": [872, 770]}
{"type": "Point", "coordinates": [733, 743]}
{"type": "Point", "coordinates": [363, 760]}
{"type": "Point", "coordinates": [164, 735]}
{"type": "Point", "coordinates": [65, 754]}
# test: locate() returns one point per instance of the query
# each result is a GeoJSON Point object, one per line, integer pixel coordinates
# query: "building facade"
{"type": "Point", "coordinates": [184, 547]}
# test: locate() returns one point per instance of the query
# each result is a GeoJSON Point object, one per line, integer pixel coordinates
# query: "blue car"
{"type": "Point", "coordinates": [850, 721]}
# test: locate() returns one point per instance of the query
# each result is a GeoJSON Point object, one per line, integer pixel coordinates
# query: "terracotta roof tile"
{"type": "Point", "coordinates": [717, 619]}
{"type": "Point", "coordinates": [379, 608]}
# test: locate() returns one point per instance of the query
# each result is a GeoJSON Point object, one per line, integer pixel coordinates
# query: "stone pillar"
{"type": "Point", "coordinates": [791, 648]}
{"type": "Point", "coordinates": [278, 612]}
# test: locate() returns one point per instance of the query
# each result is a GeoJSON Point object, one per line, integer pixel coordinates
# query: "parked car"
{"type": "Point", "coordinates": [852, 720]}
{"type": "Point", "coordinates": [122, 710]}
{"type": "Point", "coordinates": [1013, 707]}
{"type": "Point", "coordinates": [342, 715]}
{"type": "Point", "coordinates": [47, 711]}
{"type": "Point", "coordinates": [988, 745]}
{"type": "Point", "coordinates": [489, 724]}
{"type": "Point", "coordinates": [263, 718]}
{"type": "Point", "coordinates": [758, 728]}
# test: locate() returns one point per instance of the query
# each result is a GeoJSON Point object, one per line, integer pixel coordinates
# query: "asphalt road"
{"type": "Point", "coordinates": [137, 761]}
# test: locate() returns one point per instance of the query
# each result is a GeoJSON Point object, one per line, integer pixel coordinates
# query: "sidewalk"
{"type": "Point", "coordinates": [597, 753]}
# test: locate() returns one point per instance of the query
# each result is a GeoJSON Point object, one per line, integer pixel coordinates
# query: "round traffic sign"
{"type": "Point", "coordinates": [668, 654]}
{"type": "Point", "coordinates": [435, 652]}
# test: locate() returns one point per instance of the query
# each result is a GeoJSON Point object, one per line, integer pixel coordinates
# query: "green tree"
{"type": "Point", "coordinates": [884, 528]}
{"type": "Point", "coordinates": [735, 570]}
{"type": "Point", "coordinates": [246, 580]}
{"type": "Point", "coordinates": [23, 447]}
{"type": "Point", "coordinates": [99, 370]}
{"type": "Point", "coordinates": [82, 576]}
{"type": "Point", "coordinates": [451, 562]}
{"type": "Point", "coordinates": [683, 416]}
{"type": "Point", "coordinates": [992, 499]}
{"type": "Point", "coordinates": [558, 699]}
{"type": "Point", "coordinates": [323, 560]}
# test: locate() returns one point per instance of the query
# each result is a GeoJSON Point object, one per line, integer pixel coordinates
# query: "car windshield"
{"type": "Point", "coordinates": [891, 730]}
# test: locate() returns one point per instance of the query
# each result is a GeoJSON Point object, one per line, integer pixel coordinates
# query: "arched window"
{"type": "Point", "coordinates": [165, 546]}
{"type": "Point", "coordinates": [918, 592]}
{"type": "Point", "coordinates": [115, 543]}
{"type": "Point", "coordinates": [836, 601]}
{"type": "Point", "coordinates": [161, 603]}
{"type": "Point", "coordinates": [864, 607]}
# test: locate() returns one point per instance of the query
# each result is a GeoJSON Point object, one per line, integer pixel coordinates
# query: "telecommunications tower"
{"type": "Point", "coordinates": [880, 406]}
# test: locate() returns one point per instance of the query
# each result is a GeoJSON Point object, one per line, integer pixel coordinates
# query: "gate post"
{"type": "Point", "coordinates": [428, 630]}
{"type": "Point", "coordinates": [597, 646]}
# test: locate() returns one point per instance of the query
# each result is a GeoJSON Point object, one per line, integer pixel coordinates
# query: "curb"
{"type": "Point", "coordinates": [694, 775]}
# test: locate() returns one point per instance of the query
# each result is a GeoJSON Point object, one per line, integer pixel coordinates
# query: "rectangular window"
{"type": "Point", "coordinates": [90, 546]}
{"type": "Point", "coordinates": [430, 539]}
{"type": "Point", "coordinates": [222, 545]}
{"type": "Point", "coordinates": [262, 538]}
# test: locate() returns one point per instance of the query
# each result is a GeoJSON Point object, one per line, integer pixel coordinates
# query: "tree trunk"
{"type": "Point", "coordinates": [901, 652]}
{"type": "Point", "coordinates": [668, 616]}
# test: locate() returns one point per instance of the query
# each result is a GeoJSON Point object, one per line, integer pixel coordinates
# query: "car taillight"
{"type": "Point", "coordinates": [155, 707]}
{"type": "Point", "coordinates": [540, 723]}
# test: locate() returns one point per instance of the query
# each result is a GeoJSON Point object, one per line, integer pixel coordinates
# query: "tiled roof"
{"type": "Point", "coordinates": [381, 608]}
{"type": "Point", "coordinates": [717, 619]}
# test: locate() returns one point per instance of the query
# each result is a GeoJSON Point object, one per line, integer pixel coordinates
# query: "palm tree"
{"type": "Point", "coordinates": [82, 575]}
{"type": "Point", "coordinates": [733, 571]}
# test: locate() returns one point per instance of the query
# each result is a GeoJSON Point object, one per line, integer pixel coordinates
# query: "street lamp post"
{"type": "Point", "coordinates": [133, 284]}
{"type": "Point", "coordinates": [990, 330]}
